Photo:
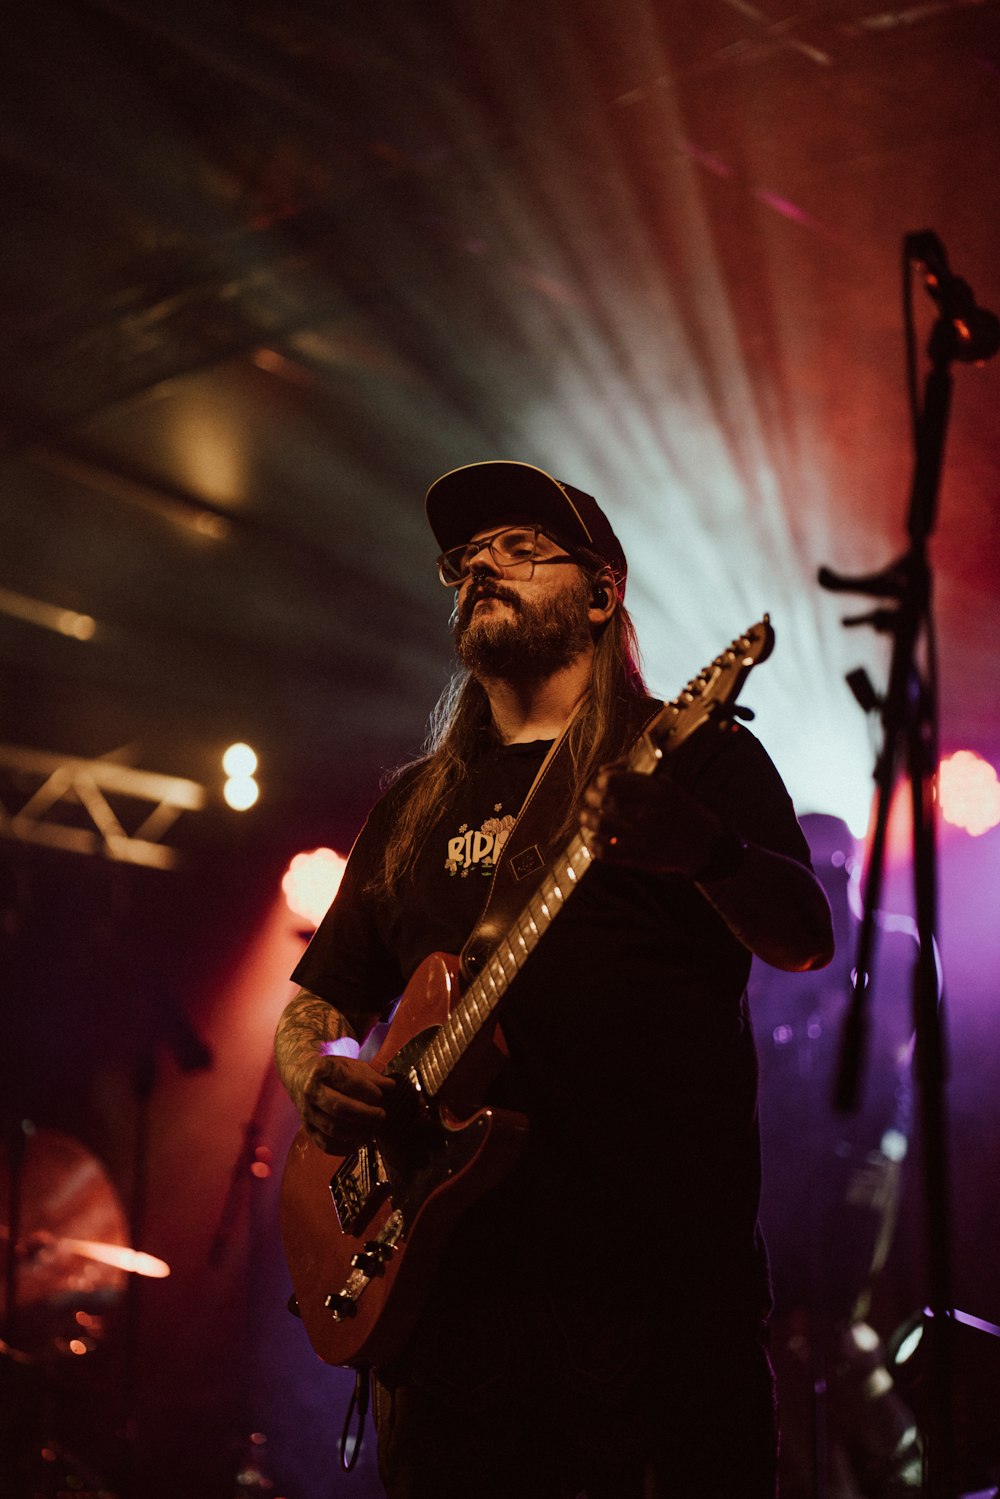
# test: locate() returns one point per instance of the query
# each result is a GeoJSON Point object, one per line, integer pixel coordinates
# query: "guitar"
{"type": "Point", "coordinates": [363, 1232]}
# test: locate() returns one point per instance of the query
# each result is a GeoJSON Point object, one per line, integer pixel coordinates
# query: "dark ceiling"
{"type": "Point", "coordinates": [266, 269]}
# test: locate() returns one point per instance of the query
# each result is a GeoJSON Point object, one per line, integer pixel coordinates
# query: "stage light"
{"type": "Point", "coordinates": [241, 790]}
{"type": "Point", "coordinates": [865, 1337]}
{"type": "Point", "coordinates": [212, 462]}
{"type": "Point", "coordinates": [79, 626]}
{"type": "Point", "coordinates": [311, 881]}
{"type": "Point", "coordinates": [912, 1333]}
{"type": "Point", "coordinates": [878, 1383]}
{"type": "Point", "coordinates": [239, 760]}
{"type": "Point", "coordinates": [894, 1145]}
{"type": "Point", "coordinates": [969, 793]}
{"type": "Point", "coordinates": [49, 616]}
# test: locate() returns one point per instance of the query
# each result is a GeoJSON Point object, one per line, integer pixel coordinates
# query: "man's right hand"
{"type": "Point", "coordinates": [342, 1101]}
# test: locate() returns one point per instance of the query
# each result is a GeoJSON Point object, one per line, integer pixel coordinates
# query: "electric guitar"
{"type": "Point", "coordinates": [363, 1232]}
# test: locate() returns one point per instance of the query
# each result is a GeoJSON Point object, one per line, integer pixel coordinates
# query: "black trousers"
{"type": "Point", "coordinates": [505, 1403]}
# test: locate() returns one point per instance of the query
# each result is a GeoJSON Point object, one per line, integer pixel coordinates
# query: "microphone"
{"type": "Point", "coordinates": [977, 331]}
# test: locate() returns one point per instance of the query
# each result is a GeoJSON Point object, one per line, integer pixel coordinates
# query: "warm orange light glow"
{"type": "Point", "coordinates": [214, 526]}
{"type": "Point", "coordinates": [80, 626]}
{"type": "Point", "coordinates": [969, 793]}
{"type": "Point", "coordinates": [77, 1346]}
{"type": "Point", "coordinates": [311, 881]}
{"type": "Point", "coordinates": [48, 616]}
{"type": "Point", "coordinates": [132, 1260]}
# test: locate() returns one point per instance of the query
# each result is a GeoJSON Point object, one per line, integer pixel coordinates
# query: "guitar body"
{"type": "Point", "coordinates": [363, 1232]}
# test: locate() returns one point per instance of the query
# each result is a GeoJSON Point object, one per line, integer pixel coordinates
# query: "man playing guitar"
{"type": "Point", "coordinates": [594, 1320]}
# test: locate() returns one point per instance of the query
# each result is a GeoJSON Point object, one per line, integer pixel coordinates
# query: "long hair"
{"type": "Point", "coordinates": [462, 718]}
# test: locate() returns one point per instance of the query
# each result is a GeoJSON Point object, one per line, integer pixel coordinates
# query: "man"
{"type": "Point", "coordinates": [595, 1325]}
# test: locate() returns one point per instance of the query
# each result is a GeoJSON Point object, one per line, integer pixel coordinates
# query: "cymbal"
{"type": "Point", "coordinates": [73, 1240]}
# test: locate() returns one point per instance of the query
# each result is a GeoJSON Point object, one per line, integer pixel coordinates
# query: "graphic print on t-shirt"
{"type": "Point", "coordinates": [478, 849]}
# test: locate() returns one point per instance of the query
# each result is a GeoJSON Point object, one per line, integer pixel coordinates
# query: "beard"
{"type": "Point", "coordinates": [534, 640]}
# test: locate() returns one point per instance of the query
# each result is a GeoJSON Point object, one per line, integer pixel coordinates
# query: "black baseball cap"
{"type": "Point", "coordinates": [468, 499]}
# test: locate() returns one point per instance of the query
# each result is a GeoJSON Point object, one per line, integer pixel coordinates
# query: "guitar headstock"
{"type": "Point", "coordinates": [712, 693]}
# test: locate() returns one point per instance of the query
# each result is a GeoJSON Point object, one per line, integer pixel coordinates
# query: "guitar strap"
{"type": "Point", "coordinates": [522, 862]}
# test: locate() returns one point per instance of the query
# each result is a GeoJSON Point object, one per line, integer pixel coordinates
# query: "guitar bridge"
{"type": "Point", "coordinates": [358, 1186]}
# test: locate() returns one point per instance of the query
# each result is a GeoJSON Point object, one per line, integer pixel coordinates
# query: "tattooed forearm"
{"type": "Point", "coordinates": [306, 1022]}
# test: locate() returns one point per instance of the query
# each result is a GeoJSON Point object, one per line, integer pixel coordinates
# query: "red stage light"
{"type": "Point", "coordinates": [311, 881]}
{"type": "Point", "coordinates": [969, 792]}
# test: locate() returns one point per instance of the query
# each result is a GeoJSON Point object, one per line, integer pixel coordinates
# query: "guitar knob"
{"type": "Point", "coordinates": [371, 1258]}
{"type": "Point", "coordinates": [341, 1307]}
{"type": "Point", "coordinates": [368, 1264]}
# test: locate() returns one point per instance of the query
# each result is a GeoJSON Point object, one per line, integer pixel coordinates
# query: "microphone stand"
{"type": "Point", "coordinates": [909, 714]}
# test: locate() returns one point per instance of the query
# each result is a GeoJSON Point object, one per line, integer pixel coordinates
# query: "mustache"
{"type": "Point", "coordinates": [484, 588]}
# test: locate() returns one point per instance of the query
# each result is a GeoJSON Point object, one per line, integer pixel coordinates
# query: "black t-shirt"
{"type": "Point", "coordinates": [629, 1039]}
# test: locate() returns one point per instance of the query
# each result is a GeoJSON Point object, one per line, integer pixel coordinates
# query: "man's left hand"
{"type": "Point", "coordinates": [648, 822]}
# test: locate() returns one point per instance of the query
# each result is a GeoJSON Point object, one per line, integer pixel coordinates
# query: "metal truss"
{"type": "Point", "coordinates": [65, 794]}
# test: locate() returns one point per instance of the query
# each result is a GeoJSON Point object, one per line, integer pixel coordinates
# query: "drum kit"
{"type": "Point", "coordinates": [67, 1258]}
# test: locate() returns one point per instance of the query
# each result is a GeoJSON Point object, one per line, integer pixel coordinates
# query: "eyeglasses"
{"type": "Point", "coordinates": [510, 547]}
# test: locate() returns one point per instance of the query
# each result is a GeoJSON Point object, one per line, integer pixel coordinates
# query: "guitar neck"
{"type": "Point", "coordinates": [708, 697]}
{"type": "Point", "coordinates": [479, 1003]}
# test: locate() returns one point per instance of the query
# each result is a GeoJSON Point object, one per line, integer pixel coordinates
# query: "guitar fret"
{"type": "Point", "coordinates": [502, 954]}
{"type": "Point", "coordinates": [458, 1019]}
{"type": "Point", "coordinates": [471, 1017]}
{"type": "Point", "coordinates": [497, 990]}
{"type": "Point", "coordinates": [431, 1067]}
{"type": "Point", "coordinates": [451, 1034]}
{"type": "Point", "coordinates": [444, 1043]}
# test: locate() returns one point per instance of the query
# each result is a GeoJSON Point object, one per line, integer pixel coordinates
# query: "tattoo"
{"type": "Point", "coordinates": [306, 1023]}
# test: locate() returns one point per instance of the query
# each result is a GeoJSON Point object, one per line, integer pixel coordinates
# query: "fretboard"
{"type": "Point", "coordinates": [480, 1001]}
{"type": "Point", "coordinates": [708, 696]}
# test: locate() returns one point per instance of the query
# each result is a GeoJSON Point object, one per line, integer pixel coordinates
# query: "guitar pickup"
{"type": "Point", "coordinates": [358, 1186]}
